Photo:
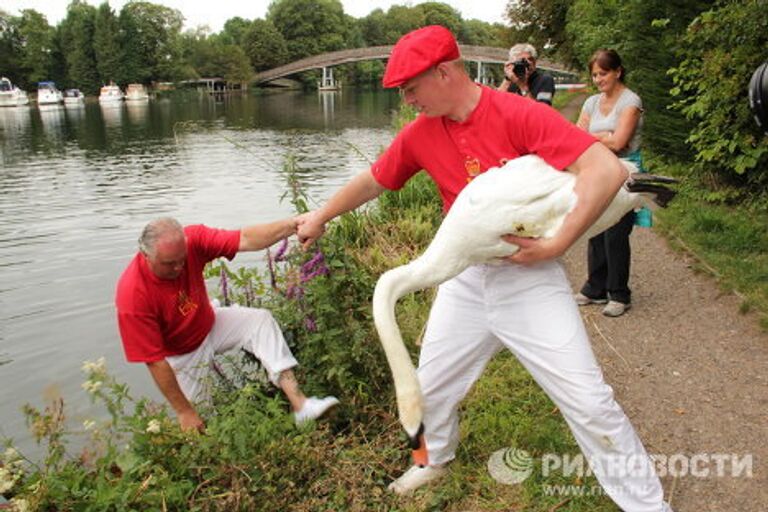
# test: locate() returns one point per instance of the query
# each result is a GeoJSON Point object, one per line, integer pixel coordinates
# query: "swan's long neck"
{"type": "Point", "coordinates": [392, 285]}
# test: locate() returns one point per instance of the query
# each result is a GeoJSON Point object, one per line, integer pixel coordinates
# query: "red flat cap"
{"type": "Point", "coordinates": [418, 51]}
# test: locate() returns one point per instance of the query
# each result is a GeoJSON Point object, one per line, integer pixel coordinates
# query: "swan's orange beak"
{"type": "Point", "coordinates": [419, 448]}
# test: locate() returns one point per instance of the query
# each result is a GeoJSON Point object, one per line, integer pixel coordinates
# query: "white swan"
{"type": "Point", "coordinates": [526, 197]}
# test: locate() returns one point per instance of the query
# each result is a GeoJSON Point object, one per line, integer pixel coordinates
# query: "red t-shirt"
{"type": "Point", "coordinates": [502, 127]}
{"type": "Point", "coordinates": [165, 317]}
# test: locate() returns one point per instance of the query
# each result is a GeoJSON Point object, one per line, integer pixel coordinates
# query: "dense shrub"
{"type": "Point", "coordinates": [719, 52]}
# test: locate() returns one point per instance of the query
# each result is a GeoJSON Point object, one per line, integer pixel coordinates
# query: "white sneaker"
{"type": "Point", "coordinates": [415, 477]}
{"type": "Point", "coordinates": [313, 408]}
{"type": "Point", "coordinates": [615, 308]}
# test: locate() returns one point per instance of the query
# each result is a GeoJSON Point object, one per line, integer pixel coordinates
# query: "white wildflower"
{"type": "Point", "coordinates": [7, 480]}
{"type": "Point", "coordinates": [20, 505]}
{"type": "Point", "coordinates": [89, 424]}
{"type": "Point", "coordinates": [11, 455]}
{"type": "Point", "coordinates": [153, 427]}
{"type": "Point", "coordinates": [91, 386]}
{"type": "Point", "coordinates": [98, 366]}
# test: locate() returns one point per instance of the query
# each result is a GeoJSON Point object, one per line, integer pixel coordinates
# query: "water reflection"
{"type": "Point", "coordinates": [112, 114]}
{"type": "Point", "coordinates": [138, 111]}
{"type": "Point", "coordinates": [328, 101]}
{"type": "Point", "coordinates": [52, 119]}
{"type": "Point", "coordinates": [14, 121]}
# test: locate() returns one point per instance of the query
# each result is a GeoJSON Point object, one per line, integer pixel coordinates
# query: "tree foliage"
{"type": "Point", "coordinates": [77, 32]}
{"type": "Point", "coordinates": [106, 43]}
{"type": "Point", "coordinates": [310, 27]}
{"type": "Point", "coordinates": [720, 50]}
{"type": "Point", "coordinates": [543, 24]}
{"type": "Point", "coordinates": [35, 39]}
{"type": "Point", "coordinates": [265, 45]}
{"type": "Point", "coordinates": [150, 42]}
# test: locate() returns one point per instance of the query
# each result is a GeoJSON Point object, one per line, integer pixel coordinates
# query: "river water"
{"type": "Point", "coordinates": [78, 184]}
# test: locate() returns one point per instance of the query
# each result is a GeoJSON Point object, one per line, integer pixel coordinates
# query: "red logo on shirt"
{"type": "Point", "coordinates": [472, 165]}
{"type": "Point", "coordinates": [185, 304]}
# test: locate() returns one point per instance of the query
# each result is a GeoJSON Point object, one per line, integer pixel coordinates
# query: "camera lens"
{"type": "Point", "coordinates": [520, 68]}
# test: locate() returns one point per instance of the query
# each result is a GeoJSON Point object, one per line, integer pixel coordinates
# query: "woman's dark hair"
{"type": "Point", "coordinates": [607, 58]}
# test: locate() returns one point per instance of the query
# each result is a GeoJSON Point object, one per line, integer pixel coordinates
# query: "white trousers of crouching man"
{"type": "Point", "coordinates": [252, 329]}
{"type": "Point", "coordinates": [530, 311]}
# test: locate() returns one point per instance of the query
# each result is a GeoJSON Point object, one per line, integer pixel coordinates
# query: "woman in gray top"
{"type": "Point", "coordinates": [615, 118]}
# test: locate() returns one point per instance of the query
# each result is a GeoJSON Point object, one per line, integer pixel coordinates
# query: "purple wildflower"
{"type": "Point", "coordinates": [224, 286]}
{"type": "Point", "coordinates": [248, 294]}
{"type": "Point", "coordinates": [280, 254]}
{"type": "Point", "coordinates": [310, 324]}
{"type": "Point", "coordinates": [271, 267]}
{"type": "Point", "coordinates": [317, 259]}
{"type": "Point", "coordinates": [320, 271]}
{"type": "Point", "coordinates": [294, 292]}
{"type": "Point", "coordinates": [313, 268]}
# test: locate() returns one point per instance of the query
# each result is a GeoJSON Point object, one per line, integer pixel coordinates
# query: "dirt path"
{"type": "Point", "coordinates": [690, 371]}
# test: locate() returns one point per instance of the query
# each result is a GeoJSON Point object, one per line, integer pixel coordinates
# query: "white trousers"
{"type": "Point", "coordinates": [252, 329]}
{"type": "Point", "coordinates": [530, 311]}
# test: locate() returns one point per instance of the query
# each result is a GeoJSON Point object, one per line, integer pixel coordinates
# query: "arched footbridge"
{"type": "Point", "coordinates": [476, 54]}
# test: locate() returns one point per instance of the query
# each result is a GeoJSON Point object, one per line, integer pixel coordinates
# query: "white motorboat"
{"type": "Point", "coordinates": [48, 94]}
{"type": "Point", "coordinates": [73, 97]}
{"type": "Point", "coordinates": [111, 94]}
{"type": "Point", "coordinates": [10, 95]}
{"type": "Point", "coordinates": [136, 92]}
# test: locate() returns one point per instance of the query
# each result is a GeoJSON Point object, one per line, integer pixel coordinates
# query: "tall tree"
{"type": "Point", "coordinates": [234, 31]}
{"type": "Point", "coordinates": [400, 20]}
{"type": "Point", "coordinates": [36, 39]}
{"type": "Point", "coordinates": [77, 45]}
{"type": "Point", "coordinates": [372, 28]}
{"type": "Point", "coordinates": [310, 27]}
{"type": "Point", "coordinates": [150, 41]}
{"type": "Point", "coordinates": [480, 33]}
{"type": "Point", "coordinates": [10, 48]}
{"type": "Point", "coordinates": [106, 44]}
{"type": "Point", "coordinates": [438, 13]}
{"type": "Point", "coordinates": [265, 45]}
{"type": "Point", "coordinates": [645, 33]}
{"type": "Point", "coordinates": [542, 23]}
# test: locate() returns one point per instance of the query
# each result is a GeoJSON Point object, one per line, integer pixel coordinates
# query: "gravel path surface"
{"type": "Point", "coordinates": [690, 371]}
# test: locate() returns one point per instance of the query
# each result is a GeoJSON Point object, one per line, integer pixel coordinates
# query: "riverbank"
{"type": "Point", "coordinates": [685, 363]}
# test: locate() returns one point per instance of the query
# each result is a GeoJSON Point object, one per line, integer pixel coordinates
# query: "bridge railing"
{"type": "Point", "coordinates": [485, 54]}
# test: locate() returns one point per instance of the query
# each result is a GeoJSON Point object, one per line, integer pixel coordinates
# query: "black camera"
{"type": "Point", "coordinates": [520, 68]}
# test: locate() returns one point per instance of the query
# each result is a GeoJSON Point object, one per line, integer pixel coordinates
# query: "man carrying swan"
{"type": "Point", "coordinates": [525, 305]}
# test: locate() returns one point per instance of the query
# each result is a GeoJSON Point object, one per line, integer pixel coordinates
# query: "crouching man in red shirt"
{"type": "Point", "coordinates": [166, 319]}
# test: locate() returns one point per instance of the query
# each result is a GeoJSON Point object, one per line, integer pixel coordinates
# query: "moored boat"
{"type": "Point", "coordinates": [136, 92]}
{"type": "Point", "coordinates": [48, 94]}
{"type": "Point", "coordinates": [111, 94]}
{"type": "Point", "coordinates": [73, 97]}
{"type": "Point", "coordinates": [10, 95]}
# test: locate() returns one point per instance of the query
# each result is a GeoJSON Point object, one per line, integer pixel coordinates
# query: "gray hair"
{"type": "Point", "coordinates": [155, 230]}
{"type": "Point", "coordinates": [519, 49]}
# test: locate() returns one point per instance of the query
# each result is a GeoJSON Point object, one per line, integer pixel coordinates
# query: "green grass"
{"type": "Point", "coordinates": [252, 458]}
{"type": "Point", "coordinates": [729, 242]}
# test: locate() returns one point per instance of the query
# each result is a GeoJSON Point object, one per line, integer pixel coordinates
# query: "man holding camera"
{"type": "Point", "coordinates": [521, 76]}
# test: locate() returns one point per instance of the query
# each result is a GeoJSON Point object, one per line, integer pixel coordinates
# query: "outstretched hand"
{"type": "Point", "coordinates": [310, 228]}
